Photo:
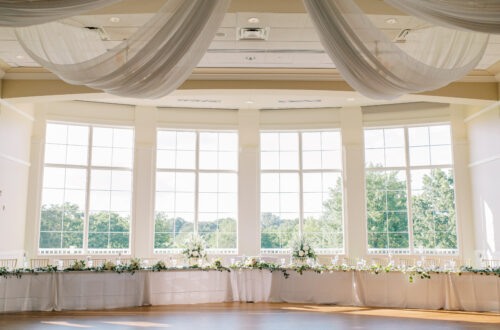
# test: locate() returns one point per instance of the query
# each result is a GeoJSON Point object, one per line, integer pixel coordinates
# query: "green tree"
{"type": "Point", "coordinates": [62, 226]}
{"type": "Point", "coordinates": [434, 218]}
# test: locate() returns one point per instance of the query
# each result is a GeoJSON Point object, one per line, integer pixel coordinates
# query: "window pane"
{"type": "Point", "coordinates": [175, 191]}
{"type": "Point", "coordinates": [322, 192]}
{"type": "Point", "coordinates": [433, 206]}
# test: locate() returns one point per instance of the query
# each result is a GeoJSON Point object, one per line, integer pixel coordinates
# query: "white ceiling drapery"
{"type": "Point", "coordinates": [17, 13]}
{"type": "Point", "coordinates": [153, 62]}
{"type": "Point", "coordinates": [475, 15]}
{"type": "Point", "coordinates": [378, 68]}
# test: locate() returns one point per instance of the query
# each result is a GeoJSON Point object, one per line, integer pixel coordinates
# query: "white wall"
{"type": "Point", "coordinates": [15, 136]}
{"type": "Point", "coordinates": [484, 141]}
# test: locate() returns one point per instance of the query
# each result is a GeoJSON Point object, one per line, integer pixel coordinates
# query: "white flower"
{"type": "Point", "coordinates": [195, 253]}
{"type": "Point", "coordinates": [306, 249]}
{"type": "Point", "coordinates": [301, 253]}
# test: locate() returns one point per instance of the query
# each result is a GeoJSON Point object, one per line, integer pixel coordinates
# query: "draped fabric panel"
{"type": "Point", "coordinates": [475, 15]}
{"type": "Point", "coordinates": [153, 62]}
{"type": "Point", "coordinates": [377, 67]}
{"type": "Point", "coordinates": [17, 13]}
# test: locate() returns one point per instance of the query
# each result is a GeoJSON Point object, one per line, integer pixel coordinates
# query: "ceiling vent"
{"type": "Point", "coordinates": [252, 33]}
{"type": "Point", "coordinates": [401, 37]}
{"type": "Point", "coordinates": [100, 31]}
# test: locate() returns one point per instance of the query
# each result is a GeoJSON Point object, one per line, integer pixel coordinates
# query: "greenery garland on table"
{"type": "Point", "coordinates": [250, 263]}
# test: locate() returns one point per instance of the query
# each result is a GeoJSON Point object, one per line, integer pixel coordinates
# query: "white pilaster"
{"type": "Point", "coordinates": [35, 182]}
{"type": "Point", "coordinates": [248, 183]}
{"type": "Point", "coordinates": [354, 181]}
{"type": "Point", "coordinates": [144, 181]}
{"type": "Point", "coordinates": [463, 189]}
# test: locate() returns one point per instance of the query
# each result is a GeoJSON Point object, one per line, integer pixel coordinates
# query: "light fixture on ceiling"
{"type": "Point", "coordinates": [253, 20]}
{"type": "Point", "coordinates": [20, 57]}
{"type": "Point", "coordinates": [250, 58]}
{"type": "Point", "coordinates": [249, 102]}
{"type": "Point", "coordinates": [220, 34]}
{"type": "Point", "coordinates": [114, 19]}
{"type": "Point", "coordinates": [391, 20]}
{"type": "Point", "coordinates": [350, 99]}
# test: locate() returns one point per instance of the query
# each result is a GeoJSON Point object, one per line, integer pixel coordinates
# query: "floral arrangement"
{"type": "Point", "coordinates": [302, 249]}
{"type": "Point", "coordinates": [135, 264]}
{"type": "Point", "coordinates": [77, 265]}
{"type": "Point", "coordinates": [109, 266]}
{"type": "Point", "coordinates": [194, 247]}
{"type": "Point", "coordinates": [251, 262]}
{"type": "Point", "coordinates": [159, 266]}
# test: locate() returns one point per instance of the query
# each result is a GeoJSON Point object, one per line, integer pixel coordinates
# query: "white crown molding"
{"type": "Point", "coordinates": [14, 159]}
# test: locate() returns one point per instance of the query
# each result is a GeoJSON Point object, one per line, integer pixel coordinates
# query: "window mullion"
{"type": "Point", "coordinates": [87, 192]}
{"type": "Point", "coordinates": [301, 196]}
{"type": "Point", "coordinates": [196, 181]}
{"type": "Point", "coordinates": [408, 192]}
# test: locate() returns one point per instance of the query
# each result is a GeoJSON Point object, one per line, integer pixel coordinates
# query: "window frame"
{"type": "Point", "coordinates": [407, 170]}
{"type": "Point", "coordinates": [300, 171]}
{"type": "Point", "coordinates": [88, 170]}
{"type": "Point", "coordinates": [196, 171]}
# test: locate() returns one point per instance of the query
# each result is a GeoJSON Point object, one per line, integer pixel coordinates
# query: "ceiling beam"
{"type": "Point", "coordinates": [37, 89]}
{"type": "Point", "coordinates": [373, 7]}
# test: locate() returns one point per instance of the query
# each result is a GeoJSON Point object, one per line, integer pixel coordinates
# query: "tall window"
{"type": "Point", "coordinates": [410, 164]}
{"type": "Point", "coordinates": [196, 189]}
{"type": "Point", "coordinates": [301, 190]}
{"type": "Point", "coordinates": [87, 189]}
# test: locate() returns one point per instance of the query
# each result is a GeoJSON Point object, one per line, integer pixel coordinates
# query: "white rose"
{"type": "Point", "coordinates": [301, 253]}
{"type": "Point", "coordinates": [306, 248]}
{"type": "Point", "coordinates": [195, 253]}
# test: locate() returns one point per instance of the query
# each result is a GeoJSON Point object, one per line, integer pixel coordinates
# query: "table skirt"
{"type": "Point", "coordinates": [90, 290]}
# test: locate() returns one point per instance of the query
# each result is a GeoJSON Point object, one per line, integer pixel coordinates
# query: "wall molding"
{"type": "Point", "coordinates": [485, 161]}
{"type": "Point", "coordinates": [482, 111]}
{"type": "Point", "coordinates": [15, 159]}
{"type": "Point", "coordinates": [18, 111]}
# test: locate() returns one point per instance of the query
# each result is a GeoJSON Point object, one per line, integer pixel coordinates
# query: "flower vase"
{"type": "Point", "coordinates": [300, 261]}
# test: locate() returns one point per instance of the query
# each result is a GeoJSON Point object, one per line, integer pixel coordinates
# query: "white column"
{"type": "Point", "coordinates": [354, 181]}
{"type": "Point", "coordinates": [35, 182]}
{"type": "Point", "coordinates": [248, 183]}
{"type": "Point", "coordinates": [144, 181]}
{"type": "Point", "coordinates": [463, 189]}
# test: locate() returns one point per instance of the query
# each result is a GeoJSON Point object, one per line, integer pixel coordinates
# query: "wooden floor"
{"type": "Point", "coordinates": [252, 316]}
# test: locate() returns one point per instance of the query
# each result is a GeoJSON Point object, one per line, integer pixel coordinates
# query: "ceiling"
{"type": "Point", "coordinates": [292, 41]}
{"type": "Point", "coordinates": [292, 49]}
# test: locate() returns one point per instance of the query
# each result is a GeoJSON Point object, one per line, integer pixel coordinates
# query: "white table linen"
{"type": "Point", "coordinates": [90, 290]}
{"type": "Point", "coordinates": [28, 293]}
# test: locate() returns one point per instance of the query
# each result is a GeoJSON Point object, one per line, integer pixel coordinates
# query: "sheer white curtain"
{"type": "Point", "coordinates": [153, 62]}
{"type": "Point", "coordinates": [16, 13]}
{"type": "Point", "coordinates": [376, 67]}
{"type": "Point", "coordinates": [475, 15]}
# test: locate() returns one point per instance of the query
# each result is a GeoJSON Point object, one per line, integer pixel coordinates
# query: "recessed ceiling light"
{"type": "Point", "coordinates": [249, 102]}
{"type": "Point", "coordinates": [114, 19]}
{"type": "Point", "coordinates": [253, 20]}
{"type": "Point", "coordinates": [391, 20]}
{"type": "Point", "coordinates": [220, 34]}
{"type": "Point", "coordinates": [20, 57]}
{"type": "Point", "coordinates": [250, 58]}
{"type": "Point", "coordinates": [351, 99]}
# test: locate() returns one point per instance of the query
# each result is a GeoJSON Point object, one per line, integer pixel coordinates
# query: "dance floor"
{"type": "Point", "coordinates": [252, 316]}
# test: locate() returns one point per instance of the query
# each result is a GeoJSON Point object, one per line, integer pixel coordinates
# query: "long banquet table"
{"type": "Point", "coordinates": [101, 290]}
